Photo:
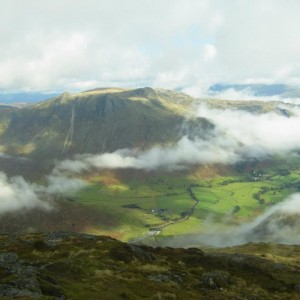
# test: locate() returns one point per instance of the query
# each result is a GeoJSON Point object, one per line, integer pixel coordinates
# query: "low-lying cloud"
{"type": "Point", "coordinates": [185, 152]}
{"type": "Point", "coordinates": [238, 135]}
{"type": "Point", "coordinates": [279, 224]}
{"type": "Point", "coordinates": [244, 94]}
{"type": "Point", "coordinates": [253, 134]}
{"type": "Point", "coordinates": [18, 194]}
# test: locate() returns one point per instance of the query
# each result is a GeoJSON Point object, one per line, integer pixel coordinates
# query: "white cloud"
{"type": "Point", "coordinates": [210, 52]}
{"type": "Point", "coordinates": [279, 224]}
{"type": "Point", "coordinates": [283, 72]}
{"type": "Point", "coordinates": [238, 135]}
{"type": "Point", "coordinates": [246, 94]}
{"type": "Point", "coordinates": [58, 183]}
{"type": "Point", "coordinates": [72, 44]}
{"type": "Point", "coordinates": [186, 152]}
{"type": "Point", "coordinates": [170, 79]}
{"type": "Point", "coordinates": [16, 193]}
{"type": "Point", "coordinates": [255, 135]}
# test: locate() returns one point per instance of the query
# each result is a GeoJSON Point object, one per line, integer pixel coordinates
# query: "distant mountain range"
{"type": "Point", "coordinates": [26, 97]}
{"type": "Point", "coordinates": [259, 90]}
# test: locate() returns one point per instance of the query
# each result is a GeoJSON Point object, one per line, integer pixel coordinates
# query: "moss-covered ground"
{"type": "Point", "coordinates": [66, 265]}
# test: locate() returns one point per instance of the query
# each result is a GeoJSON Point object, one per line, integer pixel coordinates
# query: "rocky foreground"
{"type": "Point", "coordinates": [79, 266]}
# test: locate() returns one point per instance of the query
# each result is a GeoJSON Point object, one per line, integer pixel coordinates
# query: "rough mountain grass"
{"type": "Point", "coordinates": [93, 122]}
{"type": "Point", "coordinates": [78, 266]}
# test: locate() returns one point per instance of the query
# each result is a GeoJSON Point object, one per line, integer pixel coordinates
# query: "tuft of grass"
{"type": "Point", "coordinates": [104, 273]}
{"type": "Point", "coordinates": [153, 268]}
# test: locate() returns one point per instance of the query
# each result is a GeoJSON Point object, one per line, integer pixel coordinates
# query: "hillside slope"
{"type": "Point", "coordinates": [97, 121]}
{"type": "Point", "coordinates": [66, 265]}
{"type": "Point", "coordinates": [106, 120]}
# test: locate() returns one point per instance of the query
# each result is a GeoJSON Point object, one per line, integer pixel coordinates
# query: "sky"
{"type": "Point", "coordinates": [175, 44]}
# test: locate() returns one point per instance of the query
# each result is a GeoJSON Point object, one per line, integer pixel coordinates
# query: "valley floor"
{"type": "Point", "coordinates": [151, 206]}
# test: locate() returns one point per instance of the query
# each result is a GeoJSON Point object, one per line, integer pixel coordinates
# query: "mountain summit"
{"type": "Point", "coordinates": [104, 120]}
{"type": "Point", "coordinates": [95, 121]}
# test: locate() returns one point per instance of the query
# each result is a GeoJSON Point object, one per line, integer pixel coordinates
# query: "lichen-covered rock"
{"type": "Point", "coordinates": [7, 258]}
{"type": "Point", "coordinates": [142, 254]}
{"type": "Point", "coordinates": [216, 279]}
{"type": "Point", "coordinates": [159, 278]}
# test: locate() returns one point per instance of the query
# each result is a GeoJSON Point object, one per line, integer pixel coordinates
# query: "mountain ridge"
{"type": "Point", "coordinates": [93, 122]}
{"type": "Point", "coordinates": [106, 120]}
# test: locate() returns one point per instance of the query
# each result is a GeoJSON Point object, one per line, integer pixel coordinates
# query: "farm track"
{"type": "Point", "coordinates": [183, 219]}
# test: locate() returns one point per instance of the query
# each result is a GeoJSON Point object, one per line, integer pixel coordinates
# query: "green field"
{"type": "Point", "coordinates": [165, 201]}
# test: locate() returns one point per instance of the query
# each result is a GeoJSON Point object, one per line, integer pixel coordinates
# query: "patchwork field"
{"type": "Point", "coordinates": [157, 205]}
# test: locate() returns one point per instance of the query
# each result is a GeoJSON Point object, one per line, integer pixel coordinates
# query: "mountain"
{"type": "Point", "coordinates": [169, 164]}
{"type": "Point", "coordinates": [203, 203]}
{"type": "Point", "coordinates": [96, 121]}
{"type": "Point", "coordinates": [64, 265]}
{"type": "Point", "coordinates": [103, 120]}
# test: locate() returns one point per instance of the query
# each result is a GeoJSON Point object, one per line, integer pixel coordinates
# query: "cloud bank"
{"type": "Point", "coordinates": [243, 94]}
{"type": "Point", "coordinates": [186, 152]}
{"type": "Point", "coordinates": [238, 135]}
{"type": "Point", "coordinates": [279, 224]}
{"type": "Point", "coordinates": [254, 134]}
{"type": "Point", "coordinates": [171, 44]}
{"type": "Point", "coordinates": [18, 194]}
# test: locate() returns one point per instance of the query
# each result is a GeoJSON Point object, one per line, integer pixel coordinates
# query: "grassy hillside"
{"type": "Point", "coordinates": [65, 265]}
{"type": "Point", "coordinates": [147, 207]}
{"type": "Point", "coordinates": [129, 204]}
{"type": "Point", "coordinates": [104, 120]}
{"type": "Point", "coordinates": [181, 202]}
{"type": "Point", "coordinates": [95, 121]}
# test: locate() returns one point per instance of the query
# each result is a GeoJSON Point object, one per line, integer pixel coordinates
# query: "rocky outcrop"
{"type": "Point", "coordinates": [63, 265]}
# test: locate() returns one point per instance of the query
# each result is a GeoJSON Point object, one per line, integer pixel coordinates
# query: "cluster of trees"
{"type": "Point", "coordinates": [190, 211]}
{"type": "Point", "coordinates": [258, 197]}
{"type": "Point", "coordinates": [236, 209]}
{"type": "Point", "coordinates": [192, 194]}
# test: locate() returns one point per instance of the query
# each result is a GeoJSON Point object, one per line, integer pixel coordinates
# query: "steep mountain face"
{"type": "Point", "coordinates": [96, 121]}
{"type": "Point", "coordinates": [105, 120]}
